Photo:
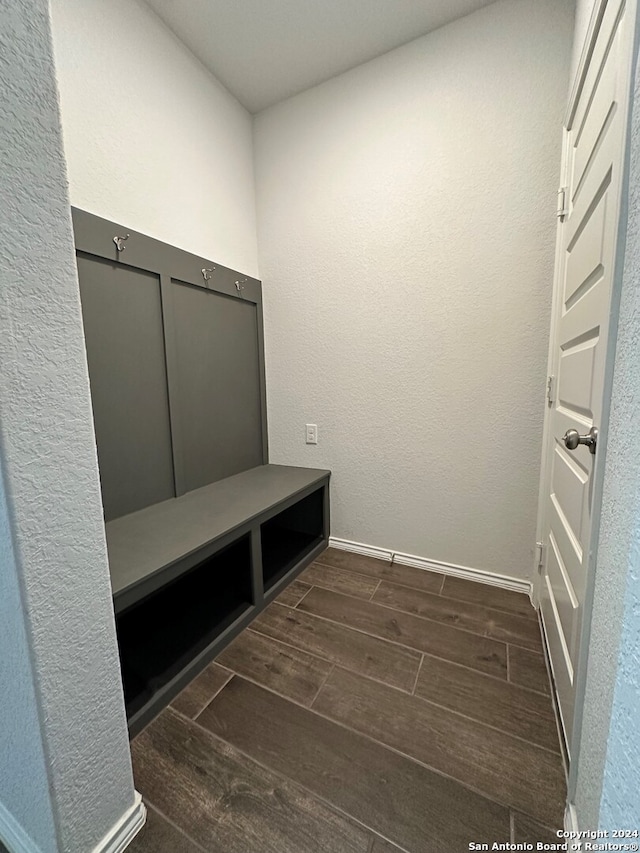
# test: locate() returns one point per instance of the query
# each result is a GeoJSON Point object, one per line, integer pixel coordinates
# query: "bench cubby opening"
{"type": "Point", "coordinates": [164, 632]}
{"type": "Point", "coordinates": [288, 537]}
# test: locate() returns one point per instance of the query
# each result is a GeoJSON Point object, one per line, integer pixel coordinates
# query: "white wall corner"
{"type": "Point", "coordinates": [13, 836]}
{"type": "Point", "coordinates": [16, 840]}
{"type": "Point", "coordinates": [125, 830]}
{"type": "Point", "coordinates": [479, 575]}
{"type": "Point", "coordinates": [66, 781]}
{"type": "Point", "coordinates": [114, 166]}
{"type": "Point", "coordinates": [433, 299]}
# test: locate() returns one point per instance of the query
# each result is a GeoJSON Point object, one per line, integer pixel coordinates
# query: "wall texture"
{"type": "Point", "coordinates": [25, 808]}
{"type": "Point", "coordinates": [152, 139]}
{"type": "Point", "coordinates": [611, 724]}
{"type": "Point", "coordinates": [406, 243]}
{"type": "Point", "coordinates": [620, 804]}
{"type": "Point", "coordinates": [58, 643]}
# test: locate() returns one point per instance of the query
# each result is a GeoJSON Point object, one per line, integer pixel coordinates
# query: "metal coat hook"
{"type": "Point", "coordinates": [240, 284]}
{"type": "Point", "coordinates": [207, 273]}
{"type": "Point", "coordinates": [119, 241]}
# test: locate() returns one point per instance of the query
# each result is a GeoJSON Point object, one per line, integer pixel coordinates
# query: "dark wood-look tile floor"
{"type": "Point", "coordinates": [372, 708]}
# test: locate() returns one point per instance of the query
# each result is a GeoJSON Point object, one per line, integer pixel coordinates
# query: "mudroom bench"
{"type": "Point", "coordinates": [188, 574]}
{"type": "Point", "coordinates": [201, 530]}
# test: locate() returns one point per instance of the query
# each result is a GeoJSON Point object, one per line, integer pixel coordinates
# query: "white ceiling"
{"type": "Point", "coordinates": [267, 50]}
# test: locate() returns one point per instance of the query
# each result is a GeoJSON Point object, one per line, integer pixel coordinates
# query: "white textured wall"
{"type": "Point", "coordinates": [406, 244]}
{"type": "Point", "coordinates": [54, 579]}
{"type": "Point", "coordinates": [152, 139]}
{"type": "Point", "coordinates": [25, 807]}
{"type": "Point", "coordinates": [610, 734]}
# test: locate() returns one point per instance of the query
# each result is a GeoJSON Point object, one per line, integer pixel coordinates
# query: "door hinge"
{"type": "Point", "coordinates": [540, 556]}
{"type": "Point", "coordinates": [562, 210]}
{"type": "Point", "coordinates": [551, 389]}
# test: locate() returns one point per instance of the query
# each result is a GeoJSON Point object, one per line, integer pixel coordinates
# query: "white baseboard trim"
{"type": "Point", "coordinates": [123, 833]}
{"type": "Point", "coordinates": [359, 548]}
{"type": "Point", "coordinates": [571, 825]}
{"type": "Point", "coordinates": [503, 581]}
{"type": "Point", "coordinates": [16, 840]}
{"type": "Point", "coordinates": [13, 836]}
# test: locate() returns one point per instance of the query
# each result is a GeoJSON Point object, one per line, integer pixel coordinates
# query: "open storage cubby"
{"type": "Point", "coordinates": [289, 536]}
{"type": "Point", "coordinates": [164, 632]}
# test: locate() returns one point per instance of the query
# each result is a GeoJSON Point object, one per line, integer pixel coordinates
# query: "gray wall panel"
{"type": "Point", "coordinates": [125, 349]}
{"type": "Point", "coordinates": [218, 384]}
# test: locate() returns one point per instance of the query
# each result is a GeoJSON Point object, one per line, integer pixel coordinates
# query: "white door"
{"type": "Point", "coordinates": [582, 334]}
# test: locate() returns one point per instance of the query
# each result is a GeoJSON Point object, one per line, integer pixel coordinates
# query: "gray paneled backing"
{"type": "Point", "coordinates": [213, 354]}
{"type": "Point", "coordinates": [217, 384]}
{"type": "Point", "coordinates": [94, 236]}
{"type": "Point", "coordinates": [147, 542]}
{"type": "Point", "coordinates": [263, 381]}
{"type": "Point", "coordinates": [125, 349]}
{"type": "Point", "coordinates": [172, 381]}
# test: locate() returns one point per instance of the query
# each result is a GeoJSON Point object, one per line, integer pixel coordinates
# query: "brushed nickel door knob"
{"type": "Point", "coordinates": [572, 439]}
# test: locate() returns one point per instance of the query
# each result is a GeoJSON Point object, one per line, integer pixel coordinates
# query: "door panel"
{"type": "Point", "coordinates": [569, 546]}
{"type": "Point", "coordinates": [564, 595]}
{"type": "Point", "coordinates": [576, 368]}
{"type": "Point", "coordinates": [568, 486]}
{"type": "Point", "coordinates": [584, 325]}
{"type": "Point", "coordinates": [587, 240]}
{"type": "Point", "coordinates": [584, 257]}
{"type": "Point", "coordinates": [607, 34]}
{"type": "Point", "coordinates": [588, 144]}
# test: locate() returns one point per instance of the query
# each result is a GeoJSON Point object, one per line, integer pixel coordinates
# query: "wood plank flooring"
{"type": "Point", "coordinates": [529, 831]}
{"type": "Point", "coordinates": [161, 836]}
{"type": "Point", "coordinates": [201, 691]}
{"type": "Point", "coordinates": [465, 615]}
{"type": "Point", "coordinates": [282, 668]}
{"type": "Point", "coordinates": [425, 636]}
{"type": "Point", "coordinates": [396, 798]}
{"type": "Point", "coordinates": [386, 662]}
{"type": "Point", "coordinates": [226, 802]}
{"type": "Point", "coordinates": [507, 707]}
{"type": "Point", "coordinates": [372, 708]}
{"type": "Point", "coordinates": [294, 593]}
{"type": "Point", "coordinates": [528, 669]}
